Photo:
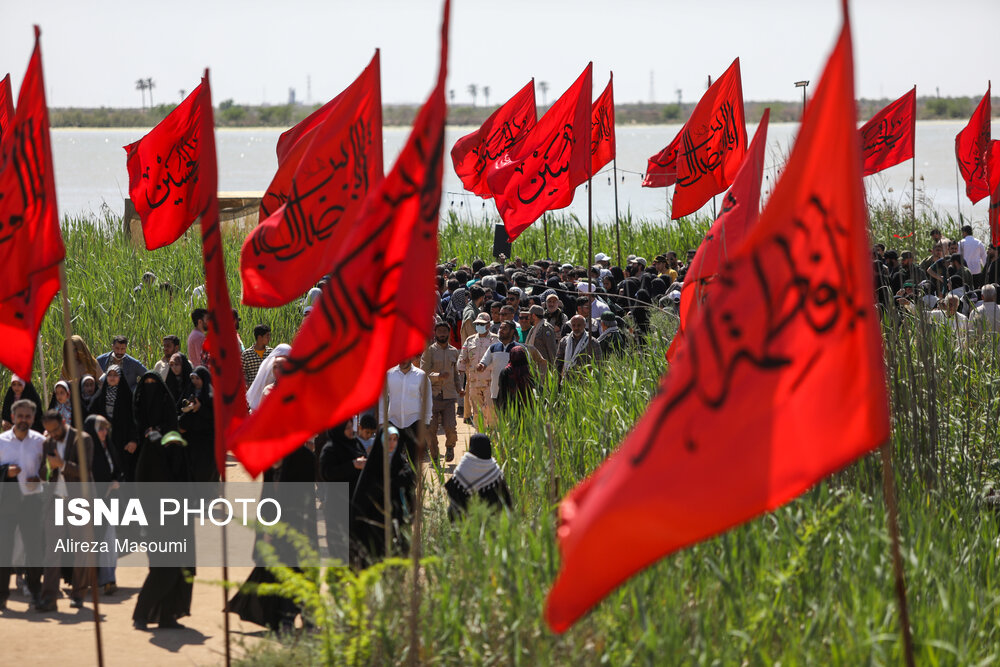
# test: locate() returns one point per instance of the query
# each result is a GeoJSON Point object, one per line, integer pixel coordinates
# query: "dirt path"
{"type": "Point", "coordinates": [66, 637]}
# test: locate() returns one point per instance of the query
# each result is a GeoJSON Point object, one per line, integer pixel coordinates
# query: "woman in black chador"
{"type": "Point", "coordinates": [367, 518]}
{"type": "Point", "coordinates": [478, 475]}
{"type": "Point", "coordinates": [113, 401]}
{"type": "Point", "coordinates": [179, 377]}
{"type": "Point", "coordinates": [17, 390]}
{"type": "Point", "coordinates": [197, 424]}
{"type": "Point", "coordinates": [298, 511]}
{"type": "Point", "coordinates": [166, 593]}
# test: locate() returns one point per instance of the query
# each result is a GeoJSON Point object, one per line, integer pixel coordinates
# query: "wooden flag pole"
{"type": "Point", "coordinates": [386, 496]}
{"type": "Point", "coordinates": [618, 234]}
{"type": "Point", "coordinates": [225, 573]}
{"type": "Point", "coordinates": [83, 465]}
{"type": "Point", "coordinates": [590, 230]}
{"type": "Point", "coordinates": [545, 227]}
{"type": "Point", "coordinates": [958, 196]}
{"type": "Point", "coordinates": [41, 362]}
{"type": "Point", "coordinates": [913, 226]}
{"type": "Point", "coordinates": [889, 489]}
{"type": "Point", "coordinates": [422, 435]}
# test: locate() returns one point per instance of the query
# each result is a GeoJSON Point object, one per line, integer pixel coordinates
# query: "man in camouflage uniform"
{"type": "Point", "coordinates": [477, 387]}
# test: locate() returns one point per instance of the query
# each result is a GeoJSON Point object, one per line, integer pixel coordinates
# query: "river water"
{"type": "Point", "coordinates": [90, 169]}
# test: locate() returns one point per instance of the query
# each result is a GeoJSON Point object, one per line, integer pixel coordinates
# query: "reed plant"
{"type": "Point", "coordinates": [810, 583]}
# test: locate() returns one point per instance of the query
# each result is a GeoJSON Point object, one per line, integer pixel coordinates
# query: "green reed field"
{"type": "Point", "coordinates": [810, 583]}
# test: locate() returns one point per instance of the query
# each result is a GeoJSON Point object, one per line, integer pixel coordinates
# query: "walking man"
{"type": "Point", "coordinates": [439, 361]}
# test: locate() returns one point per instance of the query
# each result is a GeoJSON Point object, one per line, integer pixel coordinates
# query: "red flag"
{"type": "Point", "coordinates": [713, 143]}
{"type": "Point", "coordinates": [474, 155]}
{"type": "Point", "coordinates": [602, 129]}
{"type": "Point", "coordinates": [6, 111]}
{"type": "Point", "coordinates": [781, 382]}
{"type": "Point", "coordinates": [377, 308]}
{"type": "Point", "coordinates": [661, 169]}
{"type": "Point", "coordinates": [30, 240]}
{"type": "Point", "coordinates": [365, 95]}
{"type": "Point", "coordinates": [228, 384]}
{"type": "Point", "coordinates": [321, 181]}
{"type": "Point", "coordinates": [740, 210]}
{"type": "Point", "coordinates": [21, 318]}
{"type": "Point", "coordinates": [164, 172]}
{"type": "Point", "coordinates": [971, 145]}
{"type": "Point", "coordinates": [541, 172]}
{"type": "Point", "coordinates": [888, 138]}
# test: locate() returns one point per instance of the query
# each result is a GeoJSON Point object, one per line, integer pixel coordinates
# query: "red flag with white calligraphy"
{"type": "Point", "coordinates": [602, 129]}
{"type": "Point", "coordinates": [780, 383]}
{"type": "Point", "coordinates": [713, 143]}
{"type": "Point", "coordinates": [164, 172]}
{"type": "Point", "coordinates": [6, 111]}
{"type": "Point", "coordinates": [971, 145]}
{"type": "Point", "coordinates": [740, 210]}
{"type": "Point", "coordinates": [888, 138]}
{"type": "Point", "coordinates": [30, 239]}
{"type": "Point", "coordinates": [377, 308]}
{"type": "Point", "coordinates": [541, 172]}
{"type": "Point", "coordinates": [661, 169]}
{"type": "Point", "coordinates": [475, 154]}
{"type": "Point", "coordinates": [321, 181]}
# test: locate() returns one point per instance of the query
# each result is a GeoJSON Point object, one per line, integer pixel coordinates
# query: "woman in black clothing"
{"type": "Point", "coordinates": [166, 592]}
{"type": "Point", "coordinates": [17, 390]}
{"type": "Point", "coordinates": [113, 401]}
{"type": "Point", "coordinates": [179, 377]}
{"type": "Point", "coordinates": [516, 383]}
{"type": "Point", "coordinates": [107, 471]}
{"type": "Point", "coordinates": [197, 423]}
{"type": "Point", "coordinates": [342, 459]}
{"type": "Point", "coordinates": [367, 522]}
{"type": "Point", "coordinates": [298, 511]}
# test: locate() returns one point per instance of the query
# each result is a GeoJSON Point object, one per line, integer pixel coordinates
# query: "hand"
{"type": "Point", "coordinates": [114, 486]}
{"type": "Point", "coordinates": [461, 392]}
{"type": "Point", "coordinates": [13, 470]}
{"type": "Point", "coordinates": [480, 367]}
{"type": "Point", "coordinates": [55, 461]}
{"type": "Point", "coordinates": [195, 405]}
{"type": "Point", "coordinates": [130, 447]}
{"type": "Point", "coordinates": [360, 462]}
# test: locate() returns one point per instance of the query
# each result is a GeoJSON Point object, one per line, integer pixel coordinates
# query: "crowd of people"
{"type": "Point", "coordinates": [501, 329]}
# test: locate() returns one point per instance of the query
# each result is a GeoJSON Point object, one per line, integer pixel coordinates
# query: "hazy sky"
{"type": "Point", "coordinates": [94, 51]}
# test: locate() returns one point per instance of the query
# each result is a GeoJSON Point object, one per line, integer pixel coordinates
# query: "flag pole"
{"type": "Point", "coordinates": [225, 574]}
{"type": "Point", "coordinates": [714, 214]}
{"type": "Point", "coordinates": [618, 235]}
{"type": "Point", "coordinates": [590, 230]}
{"type": "Point", "coordinates": [422, 435]}
{"type": "Point", "coordinates": [83, 465]}
{"type": "Point", "coordinates": [545, 226]}
{"type": "Point", "coordinates": [386, 498]}
{"type": "Point", "coordinates": [41, 361]}
{"type": "Point", "coordinates": [958, 196]}
{"type": "Point", "coordinates": [889, 489]}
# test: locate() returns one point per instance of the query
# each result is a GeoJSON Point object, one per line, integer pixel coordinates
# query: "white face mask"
{"type": "Point", "coordinates": [481, 328]}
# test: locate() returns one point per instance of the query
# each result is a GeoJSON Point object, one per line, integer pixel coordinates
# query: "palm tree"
{"type": "Point", "coordinates": [182, 91]}
{"type": "Point", "coordinates": [473, 90]}
{"type": "Point", "coordinates": [451, 96]}
{"type": "Point", "coordinates": [486, 96]}
{"type": "Point", "coordinates": [544, 87]}
{"type": "Point", "coordinates": [140, 85]}
{"type": "Point", "coordinates": [150, 84]}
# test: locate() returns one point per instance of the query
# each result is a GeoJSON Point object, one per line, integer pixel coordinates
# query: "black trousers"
{"type": "Point", "coordinates": [23, 514]}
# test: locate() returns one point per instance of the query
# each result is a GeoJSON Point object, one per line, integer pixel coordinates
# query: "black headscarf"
{"type": "Point", "coordinates": [115, 405]}
{"type": "Point", "coordinates": [153, 405]}
{"type": "Point", "coordinates": [29, 393]}
{"type": "Point", "coordinates": [178, 385]}
{"type": "Point", "coordinates": [204, 395]}
{"type": "Point", "coordinates": [367, 531]}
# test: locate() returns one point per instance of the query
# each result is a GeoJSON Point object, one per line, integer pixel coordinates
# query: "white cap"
{"type": "Point", "coordinates": [601, 257]}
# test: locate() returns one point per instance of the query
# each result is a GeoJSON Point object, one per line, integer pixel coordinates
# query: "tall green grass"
{"type": "Point", "coordinates": [810, 583]}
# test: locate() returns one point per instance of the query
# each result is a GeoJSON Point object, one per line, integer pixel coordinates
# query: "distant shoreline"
{"type": "Point", "coordinates": [231, 115]}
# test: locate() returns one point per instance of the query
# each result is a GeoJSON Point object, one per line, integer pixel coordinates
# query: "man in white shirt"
{"type": "Point", "coordinates": [498, 355]}
{"type": "Point", "coordinates": [974, 253]}
{"type": "Point", "coordinates": [410, 402]}
{"type": "Point", "coordinates": [21, 502]}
